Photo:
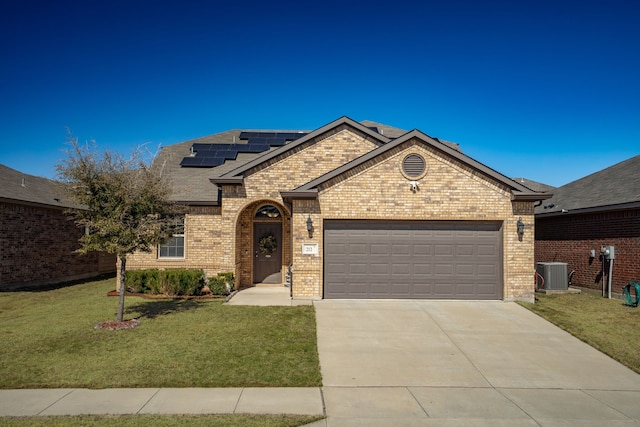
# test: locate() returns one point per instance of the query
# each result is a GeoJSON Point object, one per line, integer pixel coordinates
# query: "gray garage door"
{"type": "Point", "coordinates": [412, 259]}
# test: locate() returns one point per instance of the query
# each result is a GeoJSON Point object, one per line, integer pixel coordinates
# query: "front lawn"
{"type": "Point", "coordinates": [48, 340]}
{"type": "Point", "coordinates": [606, 324]}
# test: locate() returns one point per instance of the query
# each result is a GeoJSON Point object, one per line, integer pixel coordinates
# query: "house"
{"type": "Point", "coordinates": [602, 209]}
{"type": "Point", "coordinates": [37, 239]}
{"type": "Point", "coordinates": [349, 210]}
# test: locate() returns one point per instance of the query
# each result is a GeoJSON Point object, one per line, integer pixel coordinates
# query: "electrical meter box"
{"type": "Point", "coordinates": [608, 252]}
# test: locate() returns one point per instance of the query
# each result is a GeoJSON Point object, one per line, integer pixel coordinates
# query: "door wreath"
{"type": "Point", "coordinates": [268, 244]}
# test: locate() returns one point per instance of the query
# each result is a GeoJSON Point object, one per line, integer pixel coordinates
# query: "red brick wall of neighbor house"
{"type": "Point", "coordinates": [570, 238]}
{"type": "Point", "coordinates": [37, 247]}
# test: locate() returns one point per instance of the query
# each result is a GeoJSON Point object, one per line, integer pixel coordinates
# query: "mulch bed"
{"type": "Point", "coordinates": [116, 326]}
{"type": "Point", "coordinates": [116, 293]}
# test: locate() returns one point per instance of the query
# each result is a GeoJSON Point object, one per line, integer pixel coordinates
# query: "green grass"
{"type": "Point", "coordinates": [159, 421]}
{"type": "Point", "coordinates": [605, 324]}
{"type": "Point", "coordinates": [48, 340]}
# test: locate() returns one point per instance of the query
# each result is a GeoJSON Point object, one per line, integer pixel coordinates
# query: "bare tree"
{"type": "Point", "coordinates": [123, 202]}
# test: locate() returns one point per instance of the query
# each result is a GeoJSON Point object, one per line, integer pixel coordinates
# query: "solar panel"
{"type": "Point", "coordinates": [253, 148]}
{"type": "Point", "coordinates": [191, 161]}
{"type": "Point", "coordinates": [209, 162]}
{"type": "Point", "coordinates": [199, 147]}
{"type": "Point", "coordinates": [277, 142]}
{"type": "Point", "coordinates": [211, 155]}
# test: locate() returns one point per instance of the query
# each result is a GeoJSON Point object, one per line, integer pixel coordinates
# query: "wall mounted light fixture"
{"type": "Point", "coordinates": [520, 227]}
{"type": "Point", "coordinates": [310, 226]}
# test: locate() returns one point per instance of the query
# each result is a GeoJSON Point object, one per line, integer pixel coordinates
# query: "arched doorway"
{"type": "Point", "coordinates": [267, 245]}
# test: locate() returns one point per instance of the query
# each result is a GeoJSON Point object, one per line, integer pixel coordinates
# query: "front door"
{"type": "Point", "coordinates": [267, 248]}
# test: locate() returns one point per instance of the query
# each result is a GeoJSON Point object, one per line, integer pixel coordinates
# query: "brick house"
{"type": "Point", "coordinates": [349, 210]}
{"type": "Point", "coordinates": [37, 240]}
{"type": "Point", "coordinates": [602, 209]}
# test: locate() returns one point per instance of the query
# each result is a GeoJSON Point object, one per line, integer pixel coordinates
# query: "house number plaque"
{"type": "Point", "coordinates": [309, 249]}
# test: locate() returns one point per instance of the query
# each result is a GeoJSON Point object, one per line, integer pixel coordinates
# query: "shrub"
{"type": "Point", "coordinates": [181, 281]}
{"type": "Point", "coordinates": [177, 281]}
{"type": "Point", "coordinates": [222, 284]}
{"type": "Point", "coordinates": [142, 281]}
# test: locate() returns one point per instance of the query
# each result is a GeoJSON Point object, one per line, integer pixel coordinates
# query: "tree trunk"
{"type": "Point", "coordinates": [123, 269]}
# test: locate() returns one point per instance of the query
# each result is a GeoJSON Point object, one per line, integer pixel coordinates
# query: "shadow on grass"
{"type": "Point", "coordinates": [46, 286]}
{"type": "Point", "coordinates": [153, 309]}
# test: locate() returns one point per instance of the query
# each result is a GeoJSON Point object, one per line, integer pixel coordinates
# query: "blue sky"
{"type": "Point", "coordinates": [548, 90]}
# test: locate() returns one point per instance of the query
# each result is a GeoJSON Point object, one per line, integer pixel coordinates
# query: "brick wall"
{"type": "Point", "coordinates": [449, 191]}
{"type": "Point", "coordinates": [284, 173]}
{"type": "Point", "coordinates": [37, 247]}
{"type": "Point", "coordinates": [570, 238]}
{"type": "Point", "coordinates": [204, 248]}
{"type": "Point", "coordinates": [220, 238]}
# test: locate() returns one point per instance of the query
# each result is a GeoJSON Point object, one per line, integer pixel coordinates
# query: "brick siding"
{"type": "Point", "coordinates": [37, 247]}
{"type": "Point", "coordinates": [570, 238]}
{"type": "Point", "coordinates": [449, 191]}
{"type": "Point", "coordinates": [220, 238]}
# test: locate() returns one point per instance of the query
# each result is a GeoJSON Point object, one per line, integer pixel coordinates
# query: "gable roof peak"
{"type": "Point", "coordinates": [344, 120]}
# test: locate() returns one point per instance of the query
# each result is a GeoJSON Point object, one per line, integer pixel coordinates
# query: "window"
{"type": "Point", "coordinates": [173, 247]}
{"type": "Point", "coordinates": [268, 211]}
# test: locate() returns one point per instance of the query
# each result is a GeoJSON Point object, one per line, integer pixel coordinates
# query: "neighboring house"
{"type": "Point", "coordinates": [602, 209]}
{"type": "Point", "coordinates": [535, 186]}
{"type": "Point", "coordinates": [349, 210]}
{"type": "Point", "coordinates": [37, 239]}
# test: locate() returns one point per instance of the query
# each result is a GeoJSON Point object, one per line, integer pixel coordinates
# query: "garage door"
{"type": "Point", "coordinates": [412, 259]}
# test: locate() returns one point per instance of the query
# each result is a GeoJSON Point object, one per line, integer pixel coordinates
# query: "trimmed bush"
{"type": "Point", "coordinates": [222, 284]}
{"type": "Point", "coordinates": [179, 281]}
{"type": "Point", "coordinates": [142, 281]}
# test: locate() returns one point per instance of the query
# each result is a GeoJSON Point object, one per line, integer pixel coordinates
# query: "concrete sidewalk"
{"type": "Point", "coordinates": [266, 296]}
{"type": "Point", "coordinates": [161, 401]}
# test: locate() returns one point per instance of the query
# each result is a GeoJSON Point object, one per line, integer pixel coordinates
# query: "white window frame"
{"type": "Point", "coordinates": [170, 244]}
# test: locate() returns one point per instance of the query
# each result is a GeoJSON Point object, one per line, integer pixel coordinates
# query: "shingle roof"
{"type": "Point", "coordinates": [192, 185]}
{"type": "Point", "coordinates": [615, 187]}
{"type": "Point", "coordinates": [20, 187]}
{"type": "Point", "coordinates": [534, 185]}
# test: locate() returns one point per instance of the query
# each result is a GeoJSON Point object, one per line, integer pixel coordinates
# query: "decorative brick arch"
{"type": "Point", "coordinates": [244, 240]}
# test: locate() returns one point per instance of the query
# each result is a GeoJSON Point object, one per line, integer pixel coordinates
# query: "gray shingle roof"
{"type": "Point", "coordinates": [534, 185]}
{"type": "Point", "coordinates": [192, 185]}
{"type": "Point", "coordinates": [20, 187]}
{"type": "Point", "coordinates": [615, 187]}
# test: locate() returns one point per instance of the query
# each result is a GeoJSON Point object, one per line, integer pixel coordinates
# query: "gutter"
{"type": "Point", "coordinates": [305, 194]}
{"type": "Point", "coordinates": [236, 180]}
{"type": "Point", "coordinates": [594, 209]}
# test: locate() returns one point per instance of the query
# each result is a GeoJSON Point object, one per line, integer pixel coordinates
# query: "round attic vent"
{"type": "Point", "coordinates": [414, 166]}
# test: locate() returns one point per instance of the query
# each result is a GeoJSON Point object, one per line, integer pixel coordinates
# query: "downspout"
{"type": "Point", "coordinates": [289, 206]}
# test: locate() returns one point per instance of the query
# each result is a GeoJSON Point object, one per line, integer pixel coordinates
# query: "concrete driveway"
{"type": "Point", "coordinates": [464, 363]}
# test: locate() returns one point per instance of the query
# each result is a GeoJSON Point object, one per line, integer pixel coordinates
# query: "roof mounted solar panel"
{"type": "Point", "coordinates": [253, 148]}
{"type": "Point", "coordinates": [209, 162]}
{"type": "Point", "coordinates": [211, 155]}
{"type": "Point", "coordinates": [191, 162]}
{"type": "Point", "coordinates": [199, 147]}
{"type": "Point", "coordinates": [277, 142]}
